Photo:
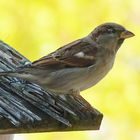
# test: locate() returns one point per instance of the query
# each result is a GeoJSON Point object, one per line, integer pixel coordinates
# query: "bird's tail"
{"type": "Point", "coordinates": [20, 73]}
{"type": "Point", "coordinates": [23, 73]}
{"type": "Point", "coordinates": [14, 74]}
{"type": "Point", "coordinates": [7, 73]}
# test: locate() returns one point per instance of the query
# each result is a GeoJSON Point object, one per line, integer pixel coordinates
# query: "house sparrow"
{"type": "Point", "coordinates": [78, 65]}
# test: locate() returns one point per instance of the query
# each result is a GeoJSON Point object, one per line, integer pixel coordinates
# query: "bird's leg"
{"type": "Point", "coordinates": [85, 106]}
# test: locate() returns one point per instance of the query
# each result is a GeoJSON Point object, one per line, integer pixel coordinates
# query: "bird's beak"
{"type": "Point", "coordinates": [126, 34]}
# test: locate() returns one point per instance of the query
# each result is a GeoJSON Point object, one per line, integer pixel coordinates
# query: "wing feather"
{"type": "Point", "coordinates": [69, 56]}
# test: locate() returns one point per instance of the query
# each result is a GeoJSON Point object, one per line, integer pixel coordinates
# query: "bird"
{"type": "Point", "coordinates": [78, 65]}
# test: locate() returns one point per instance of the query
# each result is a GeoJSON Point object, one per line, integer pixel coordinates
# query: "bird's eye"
{"type": "Point", "coordinates": [110, 30]}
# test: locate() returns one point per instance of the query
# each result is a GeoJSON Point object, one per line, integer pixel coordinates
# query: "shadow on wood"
{"type": "Point", "coordinates": [25, 107]}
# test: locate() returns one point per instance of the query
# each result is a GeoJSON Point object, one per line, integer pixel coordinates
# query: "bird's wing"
{"type": "Point", "coordinates": [79, 53]}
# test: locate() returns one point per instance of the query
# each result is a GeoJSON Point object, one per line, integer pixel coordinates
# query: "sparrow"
{"type": "Point", "coordinates": [78, 65]}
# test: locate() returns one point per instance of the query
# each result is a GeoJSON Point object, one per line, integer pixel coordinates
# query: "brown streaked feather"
{"type": "Point", "coordinates": [65, 56]}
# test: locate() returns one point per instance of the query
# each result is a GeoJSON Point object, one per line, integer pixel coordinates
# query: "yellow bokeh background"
{"type": "Point", "coordinates": [38, 27]}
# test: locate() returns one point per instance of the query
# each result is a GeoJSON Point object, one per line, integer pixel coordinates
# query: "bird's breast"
{"type": "Point", "coordinates": [96, 73]}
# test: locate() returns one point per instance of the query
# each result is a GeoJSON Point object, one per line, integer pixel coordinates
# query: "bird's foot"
{"type": "Point", "coordinates": [85, 106]}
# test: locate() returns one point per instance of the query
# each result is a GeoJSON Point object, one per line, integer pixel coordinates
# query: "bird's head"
{"type": "Point", "coordinates": [110, 35]}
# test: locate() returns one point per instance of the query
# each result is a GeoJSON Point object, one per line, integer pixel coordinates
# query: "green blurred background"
{"type": "Point", "coordinates": [38, 27]}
